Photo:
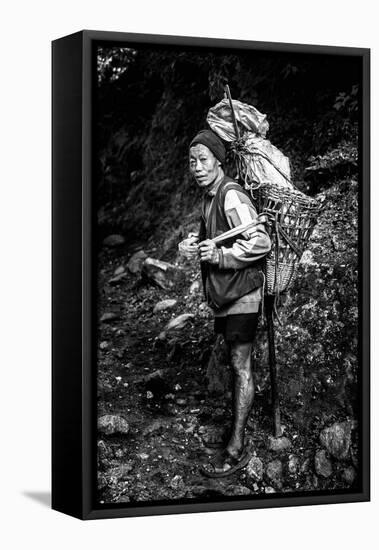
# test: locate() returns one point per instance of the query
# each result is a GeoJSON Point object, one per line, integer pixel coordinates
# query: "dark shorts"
{"type": "Point", "coordinates": [241, 327]}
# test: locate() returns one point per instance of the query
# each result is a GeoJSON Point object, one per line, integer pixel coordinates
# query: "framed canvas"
{"type": "Point", "coordinates": [203, 372]}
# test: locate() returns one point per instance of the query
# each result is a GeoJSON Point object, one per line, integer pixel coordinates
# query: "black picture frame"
{"type": "Point", "coordinates": [73, 294]}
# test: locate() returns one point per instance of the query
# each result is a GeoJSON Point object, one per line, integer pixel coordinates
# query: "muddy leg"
{"type": "Point", "coordinates": [240, 357]}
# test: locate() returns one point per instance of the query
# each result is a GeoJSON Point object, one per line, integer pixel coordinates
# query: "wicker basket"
{"type": "Point", "coordinates": [292, 216]}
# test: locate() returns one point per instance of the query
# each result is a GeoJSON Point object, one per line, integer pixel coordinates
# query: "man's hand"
{"type": "Point", "coordinates": [209, 252]}
{"type": "Point", "coordinates": [189, 247]}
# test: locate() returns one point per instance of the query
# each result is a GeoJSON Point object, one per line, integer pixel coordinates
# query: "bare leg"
{"type": "Point", "coordinates": [240, 357]}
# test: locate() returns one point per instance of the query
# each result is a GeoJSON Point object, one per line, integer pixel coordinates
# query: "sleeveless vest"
{"type": "Point", "coordinates": [224, 286]}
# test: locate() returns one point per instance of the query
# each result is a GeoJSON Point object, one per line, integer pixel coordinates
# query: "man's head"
{"type": "Point", "coordinates": [206, 156]}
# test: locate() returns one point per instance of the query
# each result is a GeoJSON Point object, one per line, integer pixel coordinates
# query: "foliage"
{"type": "Point", "coordinates": [150, 103]}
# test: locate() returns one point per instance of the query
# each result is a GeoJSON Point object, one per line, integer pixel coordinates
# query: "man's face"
{"type": "Point", "coordinates": [203, 165]}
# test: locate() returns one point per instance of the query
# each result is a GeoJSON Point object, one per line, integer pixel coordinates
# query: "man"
{"type": "Point", "coordinates": [232, 279]}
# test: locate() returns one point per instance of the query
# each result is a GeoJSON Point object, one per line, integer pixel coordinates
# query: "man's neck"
{"type": "Point", "coordinates": [212, 189]}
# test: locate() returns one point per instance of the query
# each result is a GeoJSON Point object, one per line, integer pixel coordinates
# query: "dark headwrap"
{"type": "Point", "coordinates": [212, 141]}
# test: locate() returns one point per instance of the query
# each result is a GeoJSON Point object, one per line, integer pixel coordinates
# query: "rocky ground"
{"type": "Point", "coordinates": [156, 409]}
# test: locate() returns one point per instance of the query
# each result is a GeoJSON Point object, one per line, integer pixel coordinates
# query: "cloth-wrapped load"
{"type": "Point", "coordinates": [258, 161]}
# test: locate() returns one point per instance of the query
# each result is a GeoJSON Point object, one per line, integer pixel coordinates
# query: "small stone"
{"type": "Point", "coordinates": [255, 487]}
{"type": "Point", "coordinates": [164, 304]}
{"type": "Point", "coordinates": [155, 375]}
{"type": "Point", "coordinates": [195, 287]}
{"type": "Point", "coordinates": [349, 475]}
{"type": "Point", "coordinates": [143, 456]}
{"type": "Point", "coordinates": [169, 396]}
{"type": "Point", "coordinates": [123, 499]}
{"type": "Point", "coordinates": [107, 317]}
{"type": "Point", "coordinates": [177, 387]}
{"type": "Point", "coordinates": [278, 444]}
{"type": "Point", "coordinates": [177, 482]}
{"type": "Point", "coordinates": [119, 453]}
{"type": "Point", "coordinates": [135, 262]}
{"type": "Point", "coordinates": [119, 270]}
{"type": "Point", "coordinates": [102, 450]}
{"type": "Point", "coordinates": [117, 278]}
{"type": "Point", "coordinates": [179, 322]}
{"type": "Point", "coordinates": [158, 272]}
{"type": "Point", "coordinates": [274, 472]}
{"type": "Point", "coordinates": [293, 464]}
{"type": "Point", "coordinates": [205, 311]}
{"type": "Point", "coordinates": [103, 345]}
{"type": "Point", "coordinates": [181, 402]}
{"type": "Point", "coordinates": [337, 439]}
{"type": "Point", "coordinates": [110, 424]}
{"type": "Point", "coordinates": [254, 468]}
{"type": "Point", "coordinates": [113, 240]}
{"type": "Point", "coordinates": [323, 466]}
{"type": "Point", "coordinates": [149, 395]}
{"type": "Point", "coordinates": [269, 490]}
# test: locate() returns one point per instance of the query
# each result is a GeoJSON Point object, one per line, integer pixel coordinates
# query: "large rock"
{"type": "Point", "coordinates": [164, 304]}
{"type": "Point", "coordinates": [254, 469]}
{"type": "Point", "coordinates": [135, 262]}
{"type": "Point", "coordinates": [323, 466]}
{"type": "Point", "coordinates": [179, 322]}
{"type": "Point", "coordinates": [278, 444]}
{"type": "Point", "coordinates": [113, 241]}
{"type": "Point", "coordinates": [337, 439]}
{"type": "Point", "coordinates": [110, 424]}
{"type": "Point", "coordinates": [160, 273]}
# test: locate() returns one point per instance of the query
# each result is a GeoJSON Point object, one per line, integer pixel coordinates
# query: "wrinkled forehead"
{"type": "Point", "coordinates": [200, 149]}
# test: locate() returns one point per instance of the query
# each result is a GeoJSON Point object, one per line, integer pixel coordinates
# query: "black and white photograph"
{"type": "Point", "coordinates": [227, 205]}
{"type": "Point", "coordinates": [189, 234]}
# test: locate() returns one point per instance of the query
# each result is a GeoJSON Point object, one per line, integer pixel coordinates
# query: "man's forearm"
{"type": "Point", "coordinates": [253, 244]}
{"type": "Point", "coordinates": [245, 251]}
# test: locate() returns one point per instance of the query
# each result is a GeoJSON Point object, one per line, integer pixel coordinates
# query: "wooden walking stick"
{"type": "Point", "coordinates": [269, 304]}
{"type": "Point", "coordinates": [236, 129]}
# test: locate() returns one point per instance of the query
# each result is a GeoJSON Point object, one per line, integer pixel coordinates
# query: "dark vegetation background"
{"type": "Point", "coordinates": [158, 397]}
